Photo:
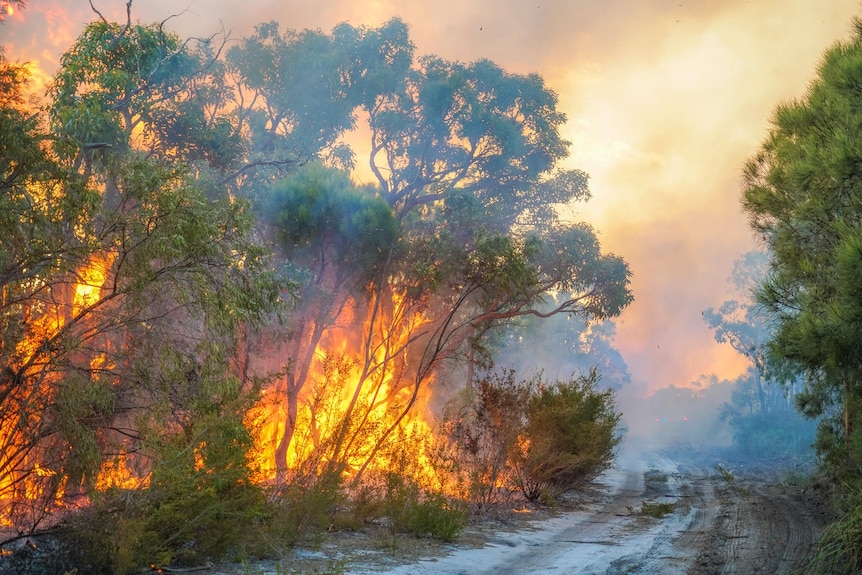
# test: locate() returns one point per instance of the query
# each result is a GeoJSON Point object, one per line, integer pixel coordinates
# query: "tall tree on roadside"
{"type": "Point", "coordinates": [803, 195]}
{"type": "Point", "coordinates": [761, 410]}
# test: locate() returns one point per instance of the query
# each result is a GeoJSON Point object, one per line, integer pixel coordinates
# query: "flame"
{"type": "Point", "coordinates": [115, 473]}
{"type": "Point", "coordinates": [350, 399]}
{"type": "Point", "coordinates": [200, 462]}
{"type": "Point", "coordinates": [25, 477]}
{"type": "Point", "coordinates": [91, 279]}
{"type": "Point", "coordinates": [43, 472]}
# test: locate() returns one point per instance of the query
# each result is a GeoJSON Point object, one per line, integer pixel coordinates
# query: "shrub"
{"type": "Point", "coordinates": [542, 439]}
{"type": "Point", "coordinates": [304, 508]}
{"type": "Point", "coordinates": [422, 513]}
{"type": "Point", "coordinates": [569, 436]}
{"type": "Point", "coordinates": [200, 504]}
{"type": "Point", "coordinates": [482, 426]}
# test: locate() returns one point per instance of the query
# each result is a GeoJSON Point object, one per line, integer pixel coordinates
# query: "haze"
{"type": "Point", "coordinates": [665, 99]}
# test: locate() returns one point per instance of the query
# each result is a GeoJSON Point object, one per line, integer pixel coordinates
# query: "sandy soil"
{"type": "Point", "coordinates": [748, 520]}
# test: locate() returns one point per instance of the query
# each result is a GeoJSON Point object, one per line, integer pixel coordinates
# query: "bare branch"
{"type": "Point", "coordinates": [101, 17]}
{"type": "Point", "coordinates": [280, 164]}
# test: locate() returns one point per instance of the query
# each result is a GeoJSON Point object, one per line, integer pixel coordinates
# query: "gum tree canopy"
{"type": "Point", "coordinates": [467, 159]}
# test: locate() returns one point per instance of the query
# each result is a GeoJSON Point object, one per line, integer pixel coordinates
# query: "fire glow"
{"type": "Point", "coordinates": [350, 401]}
{"type": "Point", "coordinates": [45, 321]}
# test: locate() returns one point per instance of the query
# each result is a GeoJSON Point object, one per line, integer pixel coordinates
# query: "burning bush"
{"type": "Point", "coordinates": [568, 438]}
{"type": "Point", "coordinates": [200, 503]}
{"type": "Point", "coordinates": [537, 438]}
{"type": "Point", "coordinates": [483, 425]}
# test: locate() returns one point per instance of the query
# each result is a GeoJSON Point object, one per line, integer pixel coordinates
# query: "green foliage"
{"type": "Point", "coordinates": [199, 504]}
{"type": "Point", "coordinates": [304, 509]}
{"type": "Point", "coordinates": [839, 550]}
{"type": "Point", "coordinates": [571, 432]}
{"type": "Point", "coordinates": [414, 510]}
{"type": "Point", "coordinates": [785, 434]}
{"type": "Point", "coordinates": [321, 217]}
{"type": "Point", "coordinates": [542, 439]}
{"type": "Point", "coordinates": [802, 196]}
{"type": "Point", "coordinates": [298, 78]}
{"type": "Point", "coordinates": [119, 77]}
{"type": "Point", "coordinates": [473, 126]}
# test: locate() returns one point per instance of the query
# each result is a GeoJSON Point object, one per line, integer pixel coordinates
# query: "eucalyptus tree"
{"type": "Point", "coordinates": [466, 159]}
{"type": "Point", "coordinates": [297, 93]}
{"type": "Point", "coordinates": [125, 281]}
{"type": "Point", "coordinates": [741, 323]}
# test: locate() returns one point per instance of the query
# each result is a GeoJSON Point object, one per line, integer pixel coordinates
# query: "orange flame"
{"type": "Point", "coordinates": [91, 279]}
{"type": "Point", "coordinates": [115, 473]}
{"type": "Point", "coordinates": [350, 393]}
{"type": "Point", "coordinates": [25, 478]}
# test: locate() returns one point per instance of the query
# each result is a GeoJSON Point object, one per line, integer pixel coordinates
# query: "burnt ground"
{"type": "Point", "coordinates": [726, 516]}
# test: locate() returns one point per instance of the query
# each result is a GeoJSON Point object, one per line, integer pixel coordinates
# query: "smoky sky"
{"type": "Point", "coordinates": [665, 100]}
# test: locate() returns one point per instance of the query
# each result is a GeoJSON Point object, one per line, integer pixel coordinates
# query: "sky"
{"type": "Point", "coordinates": [665, 100]}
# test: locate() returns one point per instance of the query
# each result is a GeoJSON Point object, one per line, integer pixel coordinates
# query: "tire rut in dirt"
{"type": "Point", "coordinates": [759, 528]}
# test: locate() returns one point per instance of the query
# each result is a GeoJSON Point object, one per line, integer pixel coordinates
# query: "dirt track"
{"type": "Point", "coordinates": [757, 526]}
{"type": "Point", "coordinates": [741, 522]}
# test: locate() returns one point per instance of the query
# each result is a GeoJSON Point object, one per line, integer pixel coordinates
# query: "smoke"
{"type": "Point", "coordinates": [665, 100]}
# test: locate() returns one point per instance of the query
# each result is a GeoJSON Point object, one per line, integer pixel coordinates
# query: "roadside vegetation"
{"type": "Point", "coordinates": [803, 199]}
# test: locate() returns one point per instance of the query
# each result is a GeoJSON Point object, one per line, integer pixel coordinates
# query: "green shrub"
{"type": "Point", "coordinates": [569, 436]}
{"type": "Point", "coordinates": [422, 513]}
{"type": "Point", "coordinates": [199, 505]}
{"type": "Point", "coordinates": [304, 509]}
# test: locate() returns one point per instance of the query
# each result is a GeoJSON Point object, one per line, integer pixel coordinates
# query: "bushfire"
{"type": "Point", "coordinates": [352, 406]}
{"type": "Point", "coordinates": [359, 407]}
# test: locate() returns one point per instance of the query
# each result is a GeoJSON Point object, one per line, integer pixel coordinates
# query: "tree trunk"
{"type": "Point", "coordinates": [760, 395]}
{"type": "Point", "coordinates": [289, 428]}
{"type": "Point", "coordinates": [847, 427]}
